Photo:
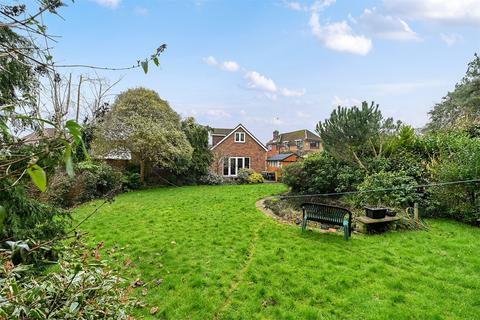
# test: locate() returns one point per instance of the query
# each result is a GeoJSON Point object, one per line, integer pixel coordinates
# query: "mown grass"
{"type": "Point", "coordinates": [221, 258]}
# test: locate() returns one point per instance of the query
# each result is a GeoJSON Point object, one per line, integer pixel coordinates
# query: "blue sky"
{"type": "Point", "coordinates": [278, 64]}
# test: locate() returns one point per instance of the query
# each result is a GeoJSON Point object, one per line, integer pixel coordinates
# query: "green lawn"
{"type": "Point", "coordinates": [219, 257]}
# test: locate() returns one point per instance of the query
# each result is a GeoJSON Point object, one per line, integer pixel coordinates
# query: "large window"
{"type": "Point", "coordinates": [314, 145]}
{"type": "Point", "coordinates": [231, 165]}
{"type": "Point", "coordinates": [240, 137]}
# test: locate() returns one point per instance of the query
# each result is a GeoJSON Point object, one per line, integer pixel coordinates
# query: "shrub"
{"type": "Point", "coordinates": [458, 160]}
{"type": "Point", "coordinates": [392, 197]}
{"type": "Point", "coordinates": [131, 181]}
{"type": "Point", "coordinates": [255, 178]}
{"type": "Point", "coordinates": [27, 218]}
{"type": "Point", "coordinates": [81, 286]}
{"type": "Point", "coordinates": [321, 173]}
{"type": "Point", "coordinates": [246, 175]}
{"type": "Point", "coordinates": [294, 177]}
{"type": "Point", "coordinates": [99, 179]}
{"type": "Point", "coordinates": [211, 179]}
{"type": "Point", "coordinates": [92, 181]}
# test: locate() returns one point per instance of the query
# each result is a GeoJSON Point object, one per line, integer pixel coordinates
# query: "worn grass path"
{"type": "Point", "coordinates": [219, 257]}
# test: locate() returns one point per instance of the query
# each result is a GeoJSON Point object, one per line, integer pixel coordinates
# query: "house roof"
{"type": "Point", "coordinates": [235, 129]}
{"type": "Point", "coordinates": [35, 137]}
{"type": "Point", "coordinates": [303, 134]}
{"type": "Point", "coordinates": [117, 154]}
{"type": "Point", "coordinates": [221, 131]}
{"type": "Point", "coordinates": [280, 157]}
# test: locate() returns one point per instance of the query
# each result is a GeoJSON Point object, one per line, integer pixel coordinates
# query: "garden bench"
{"type": "Point", "coordinates": [327, 214]}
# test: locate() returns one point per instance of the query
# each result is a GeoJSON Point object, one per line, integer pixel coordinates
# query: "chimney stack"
{"type": "Point", "coordinates": [275, 134]}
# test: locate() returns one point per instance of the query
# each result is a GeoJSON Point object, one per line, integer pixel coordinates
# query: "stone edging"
{"type": "Point", "coordinates": [260, 206]}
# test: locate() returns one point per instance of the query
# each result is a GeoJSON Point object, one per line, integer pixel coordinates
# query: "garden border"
{"type": "Point", "coordinates": [260, 205]}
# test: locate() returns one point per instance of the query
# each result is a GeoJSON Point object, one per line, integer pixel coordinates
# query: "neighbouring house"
{"type": "Point", "coordinates": [276, 162]}
{"type": "Point", "coordinates": [234, 149]}
{"type": "Point", "coordinates": [299, 142]}
{"type": "Point", "coordinates": [117, 158]}
{"type": "Point", "coordinates": [36, 137]}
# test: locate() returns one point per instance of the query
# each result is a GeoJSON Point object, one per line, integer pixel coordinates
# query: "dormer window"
{"type": "Point", "coordinates": [240, 137]}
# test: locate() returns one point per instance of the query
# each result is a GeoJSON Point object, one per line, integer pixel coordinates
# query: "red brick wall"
{"type": "Point", "coordinates": [293, 148]}
{"type": "Point", "coordinates": [250, 148]}
{"type": "Point", "coordinates": [216, 139]}
{"type": "Point", "coordinates": [272, 152]}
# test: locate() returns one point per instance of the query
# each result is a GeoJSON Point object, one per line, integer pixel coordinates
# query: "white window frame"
{"type": "Point", "coordinates": [240, 137]}
{"type": "Point", "coordinates": [275, 163]}
{"type": "Point", "coordinates": [236, 165]}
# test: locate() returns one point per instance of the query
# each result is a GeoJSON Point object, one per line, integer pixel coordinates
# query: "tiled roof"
{"type": "Point", "coordinates": [279, 157]}
{"type": "Point", "coordinates": [226, 132]}
{"type": "Point", "coordinates": [117, 154]}
{"type": "Point", "coordinates": [295, 135]}
{"type": "Point", "coordinates": [221, 131]}
{"type": "Point", "coordinates": [34, 137]}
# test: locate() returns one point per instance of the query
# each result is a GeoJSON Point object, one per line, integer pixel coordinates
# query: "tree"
{"type": "Point", "coordinates": [354, 133]}
{"type": "Point", "coordinates": [460, 109]}
{"type": "Point", "coordinates": [202, 157]}
{"type": "Point", "coordinates": [143, 124]}
{"type": "Point", "coordinates": [17, 78]}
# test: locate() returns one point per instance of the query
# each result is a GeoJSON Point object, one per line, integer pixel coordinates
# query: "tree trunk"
{"type": "Point", "coordinates": [78, 98]}
{"type": "Point", "coordinates": [142, 171]}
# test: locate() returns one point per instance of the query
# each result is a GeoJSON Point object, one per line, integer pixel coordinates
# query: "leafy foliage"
{"type": "Point", "coordinates": [94, 180]}
{"type": "Point", "coordinates": [321, 173]}
{"type": "Point", "coordinates": [459, 109]}
{"type": "Point", "coordinates": [17, 79]}
{"type": "Point", "coordinates": [81, 286]}
{"type": "Point", "coordinates": [202, 157]}
{"type": "Point", "coordinates": [246, 175]}
{"type": "Point", "coordinates": [211, 178]}
{"type": "Point", "coordinates": [354, 133]}
{"type": "Point", "coordinates": [141, 122]}
{"type": "Point", "coordinates": [396, 191]}
{"type": "Point", "coordinates": [27, 218]}
{"type": "Point", "coordinates": [458, 159]}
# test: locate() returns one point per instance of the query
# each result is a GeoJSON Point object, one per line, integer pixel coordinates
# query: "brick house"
{"type": "Point", "coordinates": [234, 149]}
{"type": "Point", "coordinates": [299, 142]}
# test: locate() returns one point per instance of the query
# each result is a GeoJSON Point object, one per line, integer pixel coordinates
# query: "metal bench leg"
{"type": "Point", "coordinates": [346, 230]}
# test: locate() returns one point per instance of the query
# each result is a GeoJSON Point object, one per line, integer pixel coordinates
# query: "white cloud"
{"type": "Point", "coordinates": [297, 6]}
{"type": "Point", "coordinates": [321, 5]}
{"type": "Point", "coordinates": [443, 11]}
{"type": "Point", "coordinates": [210, 60]}
{"type": "Point", "coordinates": [230, 66]}
{"type": "Point", "coordinates": [344, 102]}
{"type": "Point", "coordinates": [386, 26]}
{"type": "Point", "coordinates": [292, 93]}
{"type": "Point", "coordinates": [109, 3]}
{"type": "Point", "coordinates": [451, 38]}
{"type": "Point", "coordinates": [257, 81]}
{"type": "Point", "coordinates": [339, 36]}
